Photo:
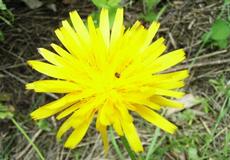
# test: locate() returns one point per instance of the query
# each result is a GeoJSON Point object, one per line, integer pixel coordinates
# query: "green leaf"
{"type": "Point", "coordinates": [149, 17]}
{"type": "Point", "coordinates": [226, 2]}
{"type": "Point", "coordinates": [114, 3]}
{"type": "Point", "coordinates": [44, 125]}
{"type": "Point", "coordinates": [188, 115]}
{"type": "Point", "coordinates": [222, 43]}
{"type": "Point", "coordinates": [220, 30]}
{"type": "Point", "coordinates": [218, 34]}
{"type": "Point", "coordinates": [2, 5]}
{"type": "Point", "coordinates": [4, 112]}
{"type": "Point", "coordinates": [206, 37]}
{"type": "Point", "coordinates": [106, 3]}
{"type": "Point", "coordinates": [100, 3]}
{"type": "Point", "coordinates": [150, 4]}
{"type": "Point", "coordinates": [1, 36]}
{"type": "Point", "coordinates": [192, 153]}
{"type": "Point", "coordinates": [112, 14]}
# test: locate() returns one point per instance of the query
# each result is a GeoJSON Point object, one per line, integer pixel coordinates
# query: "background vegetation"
{"type": "Point", "coordinates": [201, 27]}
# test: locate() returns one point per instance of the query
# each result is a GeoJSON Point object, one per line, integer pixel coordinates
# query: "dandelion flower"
{"type": "Point", "coordinates": [107, 74]}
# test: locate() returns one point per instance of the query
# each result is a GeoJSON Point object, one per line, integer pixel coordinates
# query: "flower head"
{"type": "Point", "coordinates": [107, 74]}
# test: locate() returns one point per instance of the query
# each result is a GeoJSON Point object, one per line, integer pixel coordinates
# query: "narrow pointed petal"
{"type": "Point", "coordinates": [117, 25]}
{"type": "Point", "coordinates": [172, 85]}
{"type": "Point", "coordinates": [68, 111]}
{"type": "Point", "coordinates": [55, 106]}
{"type": "Point", "coordinates": [164, 92]}
{"type": "Point", "coordinates": [156, 119]}
{"type": "Point", "coordinates": [78, 133]}
{"type": "Point", "coordinates": [104, 26]}
{"type": "Point", "coordinates": [79, 26]}
{"type": "Point", "coordinates": [48, 69]}
{"type": "Point", "coordinates": [152, 32]}
{"type": "Point", "coordinates": [103, 131]}
{"type": "Point", "coordinates": [166, 102]}
{"type": "Point", "coordinates": [132, 136]}
{"type": "Point", "coordinates": [171, 58]}
{"type": "Point", "coordinates": [53, 86]}
{"type": "Point", "coordinates": [67, 124]}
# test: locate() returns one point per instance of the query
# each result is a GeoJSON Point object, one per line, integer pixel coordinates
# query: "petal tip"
{"type": "Point", "coordinates": [29, 86]}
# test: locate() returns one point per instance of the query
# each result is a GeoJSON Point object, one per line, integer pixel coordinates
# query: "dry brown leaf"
{"type": "Point", "coordinates": [188, 100]}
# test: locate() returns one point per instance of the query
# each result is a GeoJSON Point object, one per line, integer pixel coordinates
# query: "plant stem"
{"type": "Point", "coordinates": [153, 143]}
{"type": "Point", "coordinates": [27, 138]}
{"type": "Point", "coordinates": [161, 12]}
{"type": "Point", "coordinates": [127, 147]}
{"type": "Point", "coordinates": [116, 147]}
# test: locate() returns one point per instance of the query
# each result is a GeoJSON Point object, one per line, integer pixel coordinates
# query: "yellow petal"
{"type": "Point", "coordinates": [53, 86]}
{"type": "Point", "coordinates": [79, 27]}
{"type": "Point", "coordinates": [168, 60]}
{"type": "Point", "coordinates": [117, 25]}
{"type": "Point", "coordinates": [132, 136]}
{"type": "Point", "coordinates": [104, 137]}
{"type": "Point", "coordinates": [91, 26]}
{"type": "Point", "coordinates": [168, 77]}
{"type": "Point", "coordinates": [60, 104]}
{"type": "Point", "coordinates": [100, 47]}
{"type": "Point", "coordinates": [150, 51]}
{"type": "Point", "coordinates": [103, 114]}
{"type": "Point", "coordinates": [103, 131]}
{"type": "Point", "coordinates": [124, 112]}
{"type": "Point", "coordinates": [169, 85]}
{"type": "Point", "coordinates": [117, 123]}
{"type": "Point", "coordinates": [63, 53]}
{"type": "Point", "coordinates": [60, 72]}
{"type": "Point", "coordinates": [68, 111]}
{"type": "Point", "coordinates": [70, 43]}
{"type": "Point", "coordinates": [67, 124]}
{"type": "Point", "coordinates": [151, 32]}
{"type": "Point", "coordinates": [51, 57]}
{"type": "Point", "coordinates": [55, 106]}
{"type": "Point", "coordinates": [104, 25]}
{"type": "Point", "coordinates": [63, 40]}
{"type": "Point", "coordinates": [150, 104]}
{"type": "Point", "coordinates": [156, 119]}
{"type": "Point", "coordinates": [166, 102]}
{"type": "Point", "coordinates": [51, 70]}
{"type": "Point", "coordinates": [74, 121]}
{"type": "Point", "coordinates": [78, 133]}
{"type": "Point", "coordinates": [164, 92]}
{"type": "Point", "coordinates": [155, 54]}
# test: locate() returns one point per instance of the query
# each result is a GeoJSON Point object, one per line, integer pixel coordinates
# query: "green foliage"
{"type": "Point", "coordinates": [6, 16]}
{"type": "Point", "coordinates": [2, 5]}
{"type": "Point", "coordinates": [226, 2]}
{"type": "Point", "coordinates": [151, 3]}
{"type": "Point", "coordinates": [44, 125]}
{"type": "Point", "coordinates": [188, 115]}
{"type": "Point", "coordinates": [111, 5]}
{"type": "Point", "coordinates": [5, 112]}
{"type": "Point", "coordinates": [192, 153]}
{"type": "Point", "coordinates": [150, 14]}
{"type": "Point", "coordinates": [1, 36]}
{"type": "Point", "coordinates": [221, 86]}
{"type": "Point", "coordinates": [218, 34]}
{"type": "Point", "coordinates": [106, 3]}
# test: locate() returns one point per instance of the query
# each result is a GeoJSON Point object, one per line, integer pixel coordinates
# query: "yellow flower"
{"type": "Point", "coordinates": [108, 74]}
